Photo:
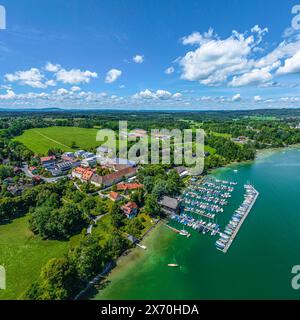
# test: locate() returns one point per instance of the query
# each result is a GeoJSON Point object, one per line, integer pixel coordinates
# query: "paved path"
{"type": "Point", "coordinates": [105, 270]}
{"type": "Point", "coordinates": [98, 218]}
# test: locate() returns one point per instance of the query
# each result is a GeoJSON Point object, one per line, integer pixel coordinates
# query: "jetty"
{"type": "Point", "coordinates": [181, 232]}
{"type": "Point", "coordinates": [224, 243]}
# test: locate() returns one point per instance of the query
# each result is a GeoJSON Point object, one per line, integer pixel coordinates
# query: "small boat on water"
{"type": "Point", "coordinates": [184, 233]}
{"type": "Point", "coordinates": [173, 265]}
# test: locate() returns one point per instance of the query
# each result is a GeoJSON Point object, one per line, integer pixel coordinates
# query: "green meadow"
{"type": "Point", "coordinates": [23, 255]}
{"type": "Point", "coordinates": [40, 140]}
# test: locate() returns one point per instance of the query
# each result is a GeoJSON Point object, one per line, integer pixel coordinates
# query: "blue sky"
{"type": "Point", "coordinates": [135, 54]}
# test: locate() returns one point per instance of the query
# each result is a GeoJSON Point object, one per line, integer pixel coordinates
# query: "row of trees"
{"type": "Point", "coordinates": [62, 278]}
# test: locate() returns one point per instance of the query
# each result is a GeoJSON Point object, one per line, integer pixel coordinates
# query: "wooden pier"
{"type": "Point", "coordinates": [227, 246]}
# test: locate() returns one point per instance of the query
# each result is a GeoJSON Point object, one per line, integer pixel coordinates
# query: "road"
{"type": "Point", "coordinates": [25, 169]}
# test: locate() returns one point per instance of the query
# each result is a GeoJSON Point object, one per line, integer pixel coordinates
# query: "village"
{"type": "Point", "coordinates": [110, 178]}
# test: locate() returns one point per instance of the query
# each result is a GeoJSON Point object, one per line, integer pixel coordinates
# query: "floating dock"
{"type": "Point", "coordinates": [232, 237]}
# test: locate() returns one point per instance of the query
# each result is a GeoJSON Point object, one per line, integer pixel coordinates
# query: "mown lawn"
{"type": "Point", "coordinates": [40, 140]}
{"type": "Point", "coordinates": [23, 255]}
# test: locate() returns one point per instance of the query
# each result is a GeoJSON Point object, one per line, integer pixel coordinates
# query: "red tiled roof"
{"type": "Point", "coordinates": [119, 174]}
{"type": "Point", "coordinates": [79, 170]}
{"type": "Point", "coordinates": [114, 195]}
{"type": "Point", "coordinates": [129, 186]}
{"type": "Point", "coordinates": [86, 174]}
{"type": "Point", "coordinates": [45, 159]}
{"type": "Point", "coordinates": [129, 207]}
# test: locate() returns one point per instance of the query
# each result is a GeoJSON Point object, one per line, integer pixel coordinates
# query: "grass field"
{"type": "Point", "coordinates": [225, 135]}
{"type": "Point", "coordinates": [23, 255]}
{"type": "Point", "coordinates": [40, 140]}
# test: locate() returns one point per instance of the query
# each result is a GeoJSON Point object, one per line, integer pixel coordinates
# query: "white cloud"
{"type": "Point", "coordinates": [147, 94]}
{"type": "Point", "coordinates": [9, 95]}
{"type": "Point", "coordinates": [215, 60]}
{"type": "Point", "coordinates": [75, 89]}
{"type": "Point", "coordinates": [205, 98]}
{"type": "Point", "coordinates": [255, 76]}
{"type": "Point", "coordinates": [163, 94]}
{"type": "Point", "coordinates": [177, 96]}
{"type": "Point", "coordinates": [257, 99]}
{"type": "Point", "coordinates": [291, 65]}
{"type": "Point", "coordinates": [75, 76]}
{"type": "Point", "coordinates": [50, 83]}
{"type": "Point", "coordinates": [157, 95]}
{"type": "Point", "coordinates": [33, 78]}
{"type": "Point", "coordinates": [138, 59]}
{"type": "Point", "coordinates": [62, 92]}
{"type": "Point", "coordinates": [169, 70]}
{"type": "Point", "coordinates": [236, 97]}
{"type": "Point", "coordinates": [52, 67]}
{"type": "Point", "coordinates": [198, 38]}
{"type": "Point", "coordinates": [237, 60]}
{"type": "Point", "coordinates": [113, 75]}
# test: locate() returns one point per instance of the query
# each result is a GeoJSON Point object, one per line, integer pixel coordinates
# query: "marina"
{"type": "Point", "coordinates": [207, 199]}
{"type": "Point", "coordinates": [233, 227]}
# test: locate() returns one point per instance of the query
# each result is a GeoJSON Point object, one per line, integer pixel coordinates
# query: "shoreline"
{"type": "Point", "coordinates": [125, 261]}
{"type": "Point", "coordinates": [121, 262]}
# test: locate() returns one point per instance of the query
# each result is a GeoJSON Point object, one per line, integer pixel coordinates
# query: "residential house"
{"type": "Point", "coordinates": [87, 175]}
{"type": "Point", "coordinates": [129, 186]}
{"type": "Point", "coordinates": [83, 174]}
{"type": "Point", "coordinates": [169, 205]}
{"type": "Point", "coordinates": [33, 170]}
{"type": "Point", "coordinates": [130, 209]}
{"type": "Point", "coordinates": [115, 196]}
{"type": "Point", "coordinates": [48, 161]}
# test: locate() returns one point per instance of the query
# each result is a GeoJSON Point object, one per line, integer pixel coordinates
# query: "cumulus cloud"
{"type": "Point", "coordinates": [157, 95]}
{"type": "Point", "coordinates": [237, 60]}
{"type": "Point", "coordinates": [75, 76]}
{"type": "Point", "coordinates": [50, 67]}
{"type": "Point", "coordinates": [33, 78]}
{"type": "Point", "coordinates": [236, 97]}
{"type": "Point", "coordinates": [138, 59]}
{"type": "Point", "coordinates": [177, 95]}
{"type": "Point", "coordinates": [215, 60]}
{"type": "Point", "coordinates": [257, 99]}
{"type": "Point", "coordinates": [198, 38]}
{"type": "Point", "coordinates": [169, 70]}
{"type": "Point", "coordinates": [8, 95]}
{"type": "Point", "coordinates": [291, 65]}
{"type": "Point", "coordinates": [113, 75]}
{"type": "Point", "coordinates": [255, 76]}
{"type": "Point", "coordinates": [75, 89]}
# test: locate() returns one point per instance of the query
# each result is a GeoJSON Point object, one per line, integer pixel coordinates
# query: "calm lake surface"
{"type": "Point", "coordinates": [259, 262]}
